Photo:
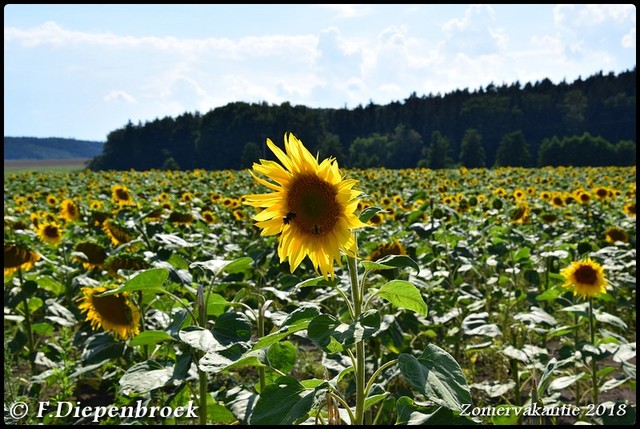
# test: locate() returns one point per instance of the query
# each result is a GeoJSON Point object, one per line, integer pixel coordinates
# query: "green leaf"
{"type": "Point", "coordinates": [216, 304]}
{"type": "Point", "coordinates": [561, 383]}
{"type": "Point", "coordinates": [149, 338]}
{"type": "Point", "coordinates": [506, 415]}
{"type": "Point", "coordinates": [404, 295]}
{"type": "Point", "coordinates": [273, 338]}
{"type": "Point", "coordinates": [42, 328]}
{"type": "Point", "coordinates": [390, 262]}
{"type": "Point", "coordinates": [218, 413]}
{"type": "Point", "coordinates": [329, 333]}
{"type": "Point", "coordinates": [410, 413]}
{"type": "Point", "coordinates": [437, 375]}
{"type": "Point", "coordinates": [317, 281]}
{"type": "Point", "coordinates": [53, 286]}
{"type": "Point", "coordinates": [144, 377]}
{"type": "Point", "coordinates": [371, 400]}
{"type": "Point", "coordinates": [199, 338]}
{"type": "Point", "coordinates": [217, 266]}
{"type": "Point", "coordinates": [368, 213]}
{"type": "Point", "coordinates": [601, 316]}
{"type": "Point", "coordinates": [282, 356]}
{"type": "Point", "coordinates": [284, 402]}
{"type": "Point", "coordinates": [550, 294]}
{"type": "Point", "coordinates": [146, 281]}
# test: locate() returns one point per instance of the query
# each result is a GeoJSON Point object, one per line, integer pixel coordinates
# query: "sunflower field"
{"type": "Point", "coordinates": [300, 293]}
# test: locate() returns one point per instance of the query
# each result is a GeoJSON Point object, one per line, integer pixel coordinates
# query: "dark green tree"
{"type": "Point", "coordinates": [438, 152]}
{"type": "Point", "coordinates": [513, 151]}
{"type": "Point", "coordinates": [472, 154]}
{"type": "Point", "coordinates": [250, 154]}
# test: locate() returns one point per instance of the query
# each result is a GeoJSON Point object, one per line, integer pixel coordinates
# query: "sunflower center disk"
{"type": "Point", "coordinates": [312, 206]}
{"type": "Point", "coordinates": [113, 309]}
{"type": "Point", "coordinates": [586, 275]}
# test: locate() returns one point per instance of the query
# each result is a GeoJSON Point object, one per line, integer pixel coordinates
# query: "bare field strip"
{"type": "Point", "coordinates": [70, 164]}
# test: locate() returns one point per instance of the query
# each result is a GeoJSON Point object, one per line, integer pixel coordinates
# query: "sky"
{"type": "Point", "coordinates": [82, 71]}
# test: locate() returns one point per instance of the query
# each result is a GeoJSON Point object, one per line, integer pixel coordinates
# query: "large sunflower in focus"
{"type": "Point", "coordinates": [587, 276]}
{"type": "Point", "coordinates": [114, 313]}
{"type": "Point", "coordinates": [313, 207]}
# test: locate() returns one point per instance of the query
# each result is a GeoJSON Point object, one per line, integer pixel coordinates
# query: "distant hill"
{"type": "Point", "coordinates": [50, 148]}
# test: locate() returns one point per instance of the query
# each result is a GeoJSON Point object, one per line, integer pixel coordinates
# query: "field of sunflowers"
{"type": "Point", "coordinates": [297, 293]}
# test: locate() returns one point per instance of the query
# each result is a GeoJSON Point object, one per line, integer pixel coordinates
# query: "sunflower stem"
{"type": "Point", "coordinates": [594, 373]}
{"type": "Point", "coordinates": [360, 356]}
{"type": "Point", "coordinates": [261, 373]}
{"type": "Point", "coordinates": [27, 322]}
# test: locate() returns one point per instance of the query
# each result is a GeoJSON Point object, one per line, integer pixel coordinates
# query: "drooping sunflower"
{"type": "Point", "coordinates": [18, 257]}
{"type": "Point", "coordinates": [116, 233]}
{"type": "Point", "coordinates": [50, 232]}
{"type": "Point", "coordinates": [313, 207]}
{"type": "Point", "coordinates": [113, 313]}
{"type": "Point", "coordinates": [613, 234]}
{"type": "Point", "coordinates": [587, 276]}
{"type": "Point", "coordinates": [69, 210]}
{"type": "Point", "coordinates": [520, 214]}
{"type": "Point", "coordinates": [393, 248]}
{"type": "Point", "coordinates": [93, 255]}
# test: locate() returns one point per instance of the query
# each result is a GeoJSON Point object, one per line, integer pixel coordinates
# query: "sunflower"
{"type": "Point", "coordinates": [116, 233]}
{"type": "Point", "coordinates": [601, 192]}
{"type": "Point", "coordinates": [520, 214]}
{"type": "Point", "coordinates": [239, 215]}
{"type": "Point", "coordinates": [121, 195]}
{"type": "Point", "coordinates": [124, 262]}
{"type": "Point", "coordinates": [313, 207]}
{"type": "Point", "coordinates": [587, 276]}
{"type": "Point", "coordinates": [93, 256]}
{"type": "Point", "coordinates": [18, 257]}
{"type": "Point", "coordinates": [630, 209]}
{"type": "Point", "coordinates": [69, 210]}
{"type": "Point", "coordinates": [613, 234]}
{"type": "Point", "coordinates": [50, 232]}
{"type": "Point", "coordinates": [52, 200]}
{"type": "Point", "coordinates": [208, 217]}
{"type": "Point", "coordinates": [394, 248]}
{"type": "Point", "coordinates": [114, 313]}
{"type": "Point", "coordinates": [95, 205]}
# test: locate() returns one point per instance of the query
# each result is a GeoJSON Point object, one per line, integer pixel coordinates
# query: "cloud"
{"type": "Point", "coordinates": [119, 96]}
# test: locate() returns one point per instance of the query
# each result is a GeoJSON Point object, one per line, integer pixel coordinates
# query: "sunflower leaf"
{"type": "Point", "coordinates": [404, 295]}
{"type": "Point", "coordinates": [391, 261]}
{"type": "Point", "coordinates": [368, 213]}
{"type": "Point", "coordinates": [147, 281]}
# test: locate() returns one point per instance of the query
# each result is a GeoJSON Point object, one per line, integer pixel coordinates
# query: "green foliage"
{"type": "Point", "coordinates": [424, 131]}
{"type": "Point", "coordinates": [472, 154]}
{"type": "Point", "coordinates": [50, 148]}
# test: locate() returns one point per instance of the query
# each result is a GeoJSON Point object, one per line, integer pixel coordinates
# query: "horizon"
{"type": "Point", "coordinates": [145, 121]}
{"type": "Point", "coordinates": [84, 71]}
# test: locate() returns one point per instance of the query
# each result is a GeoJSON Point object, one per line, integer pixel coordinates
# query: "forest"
{"type": "Point", "coordinates": [588, 122]}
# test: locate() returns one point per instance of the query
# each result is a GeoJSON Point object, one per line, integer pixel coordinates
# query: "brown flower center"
{"type": "Point", "coordinates": [586, 274]}
{"type": "Point", "coordinates": [312, 205]}
{"type": "Point", "coordinates": [51, 231]}
{"type": "Point", "coordinates": [113, 309]}
{"type": "Point", "coordinates": [122, 194]}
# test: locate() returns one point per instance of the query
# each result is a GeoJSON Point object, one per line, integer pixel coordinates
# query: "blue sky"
{"type": "Point", "coordinates": [83, 71]}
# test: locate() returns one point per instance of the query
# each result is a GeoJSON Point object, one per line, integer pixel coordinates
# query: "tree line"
{"type": "Point", "coordinates": [586, 122]}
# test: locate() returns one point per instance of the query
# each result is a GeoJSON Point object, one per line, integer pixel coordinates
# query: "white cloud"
{"type": "Point", "coordinates": [629, 39]}
{"type": "Point", "coordinates": [119, 96]}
